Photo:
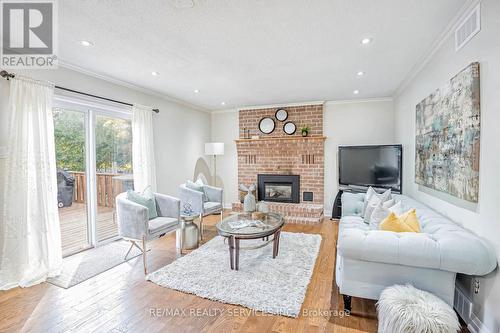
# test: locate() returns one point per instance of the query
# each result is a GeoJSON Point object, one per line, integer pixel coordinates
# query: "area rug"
{"type": "Point", "coordinates": [276, 286]}
{"type": "Point", "coordinates": [84, 265]}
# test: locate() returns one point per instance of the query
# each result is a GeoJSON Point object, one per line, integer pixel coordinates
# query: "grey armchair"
{"type": "Point", "coordinates": [201, 207]}
{"type": "Point", "coordinates": [135, 226]}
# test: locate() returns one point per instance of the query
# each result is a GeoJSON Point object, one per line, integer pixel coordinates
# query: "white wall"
{"type": "Point", "coordinates": [353, 123]}
{"type": "Point", "coordinates": [484, 218]}
{"type": "Point", "coordinates": [180, 130]}
{"type": "Point", "coordinates": [225, 128]}
{"type": "Point", "coordinates": [344, 123]}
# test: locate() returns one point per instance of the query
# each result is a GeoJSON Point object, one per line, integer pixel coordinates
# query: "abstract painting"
{"type": "Point", "coordinates": [448, 136]}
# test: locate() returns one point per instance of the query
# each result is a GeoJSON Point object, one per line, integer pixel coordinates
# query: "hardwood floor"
{"type": "Point", "coordinates": [121, 300]}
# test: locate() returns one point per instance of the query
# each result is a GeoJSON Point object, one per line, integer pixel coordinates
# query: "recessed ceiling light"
{"type": "Point", "coordinates": [86, 43]}
{"type": "Point", "coordinates": [360, 73]}
{"type": "Point", "coordinates": [155, 73]}
{"type": "Point", "coordinates": [223, 103]}
{"type": "Point", "coordinates": [196, 91]}
{"type": "Point", "coordinates": [355, 92]}
{"type": "Point", "coordinates": [366, 40]}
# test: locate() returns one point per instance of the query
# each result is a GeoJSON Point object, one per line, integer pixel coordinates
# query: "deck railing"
{"type": "Point", "coordinates": [107, 188]}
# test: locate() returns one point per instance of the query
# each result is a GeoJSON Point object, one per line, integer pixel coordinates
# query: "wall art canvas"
{"type": "Point", "coordinates": [447, 137]}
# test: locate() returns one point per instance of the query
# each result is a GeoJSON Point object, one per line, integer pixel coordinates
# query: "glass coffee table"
{"type": "Point", "coordinates": [242, 226]}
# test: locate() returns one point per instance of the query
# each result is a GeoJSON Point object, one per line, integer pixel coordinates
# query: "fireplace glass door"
{"type": "Point", "coordinates": [281, 191]}
{"type": "Point", "coordinates": [278, 188]}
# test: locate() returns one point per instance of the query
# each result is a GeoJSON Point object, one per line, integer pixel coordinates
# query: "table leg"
{"type": "Point", "coordinates": [276, 243]}
{"type": "Point", "coordinates": [231, 248]}
{"type": "Point", "coordinates": [237, 254]}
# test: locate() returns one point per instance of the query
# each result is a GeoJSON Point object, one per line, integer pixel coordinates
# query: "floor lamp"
{"type": "Point", "coordinates": [214, 148]}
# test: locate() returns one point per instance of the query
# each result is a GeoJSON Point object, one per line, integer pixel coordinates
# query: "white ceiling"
{"type": "Point", "coordinates": [254, 52]}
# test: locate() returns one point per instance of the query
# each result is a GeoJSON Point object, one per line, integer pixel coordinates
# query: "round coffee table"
{"type": "Point", "coordinates": [231, 228]}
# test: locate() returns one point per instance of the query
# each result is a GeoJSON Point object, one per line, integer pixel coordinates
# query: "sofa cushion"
{"type": "Point", "coordinates": [352, 204]}
{"type": "Point", "coordinates": [441, 244]}
{"type": "Point", "coordinates": [161, 223]}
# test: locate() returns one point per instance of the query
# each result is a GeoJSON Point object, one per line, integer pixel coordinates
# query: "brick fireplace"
{"type": "Point", "coordinates": [280, 154]}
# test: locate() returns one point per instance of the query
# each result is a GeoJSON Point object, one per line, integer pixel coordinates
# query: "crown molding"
{"type": "Point", "coordinates": [436, 45]}
{"type": "Point", "coordinates": [224, 111]}
{"type": "Point", "coordinates": [347, 101]}
{"type": "Point", "coordinates": [364, 100]}
{"type": "Point", "coordinates": [129, 85]}
{"type": "Point", "coordinates": [280, 105]}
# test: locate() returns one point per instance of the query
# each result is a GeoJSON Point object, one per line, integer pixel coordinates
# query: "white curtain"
{"type": "Point", "coordinates": [143, 157]}
{"type": "Point", "coordinates": [30, 234]}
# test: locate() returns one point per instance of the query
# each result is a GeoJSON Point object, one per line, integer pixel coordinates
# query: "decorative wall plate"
{"type": "Point", "coordinates": [266, 125]}
{"type": "Point", "coordinates": [289, 128]}
{"type": "Point", "coordinates": [281, 114]}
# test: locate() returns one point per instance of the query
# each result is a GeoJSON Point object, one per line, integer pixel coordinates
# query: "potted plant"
{"type": "Point", "coordinates": [305, 130]}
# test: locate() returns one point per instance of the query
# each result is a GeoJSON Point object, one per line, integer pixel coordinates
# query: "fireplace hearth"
{"type": "Point", "coordinates": [278, 188]}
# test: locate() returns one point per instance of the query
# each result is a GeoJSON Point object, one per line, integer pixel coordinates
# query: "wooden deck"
{"type": "Point", "coordinates": [74, 230]}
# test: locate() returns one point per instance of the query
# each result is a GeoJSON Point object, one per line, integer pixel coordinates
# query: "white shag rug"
{"type": "Point", "coordinates": [276, 286]}
{"type": "Point", "coordinates": [406, 309]}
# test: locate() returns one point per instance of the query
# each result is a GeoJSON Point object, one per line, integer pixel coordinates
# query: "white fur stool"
{"type": "Point", "coordinates": [405, 309]}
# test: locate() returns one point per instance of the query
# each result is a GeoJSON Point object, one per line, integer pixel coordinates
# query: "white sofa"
{"type": "Point", "coordinates": [369, 260]}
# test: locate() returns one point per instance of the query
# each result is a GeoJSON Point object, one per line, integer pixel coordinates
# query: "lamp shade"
{"type": "Point", "coordinates": [214, 148]}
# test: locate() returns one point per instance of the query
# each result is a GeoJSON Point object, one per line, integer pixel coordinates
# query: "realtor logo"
{"type": "Point", "coordinates": [28, 34]}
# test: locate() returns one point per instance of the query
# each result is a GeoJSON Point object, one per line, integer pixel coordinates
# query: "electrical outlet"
{"type": "Point", "coordinates": [476, 286]}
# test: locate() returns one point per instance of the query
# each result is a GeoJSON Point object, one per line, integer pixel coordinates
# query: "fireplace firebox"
{"type": "Point", "coordinates": [278, 188]}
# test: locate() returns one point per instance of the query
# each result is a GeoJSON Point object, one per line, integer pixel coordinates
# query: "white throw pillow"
{"type": "Point", "coordinates": [398, 208]}
{"type": "Point", "coordinates": [370, 194]}
{"type": "Point", "coordinates": [382, 210]}
{"type": "Point", "coordinates": [372, 207]}
{"type": "Point", "coordinates": [378, 215]}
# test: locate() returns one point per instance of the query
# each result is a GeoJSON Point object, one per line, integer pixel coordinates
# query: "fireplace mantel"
{"type": "Point", "coordinates": [281, 138]}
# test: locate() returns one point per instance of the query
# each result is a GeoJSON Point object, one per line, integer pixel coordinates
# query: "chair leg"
{"type": "Point", "coordinates": [201, 226]}
{"type": "Point", "coordinates": [129, 249]}
{"type": "Point", "coordinates": [221, 214]}
{"type": "Point", "coordinates": [132, 244]}
{"type": "Point", "coordinates": [347, 302]}
{"type": "Point", "coordinates": [179, 237]}
{"type": "Point", "coordinates": [144, 255]}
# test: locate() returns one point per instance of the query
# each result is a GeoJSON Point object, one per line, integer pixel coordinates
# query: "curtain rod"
{"type": "Point", "coordinates": [9, 76]}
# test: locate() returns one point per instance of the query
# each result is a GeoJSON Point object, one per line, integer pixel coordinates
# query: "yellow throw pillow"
{"type": "Point", "coordinates": [407, 222]}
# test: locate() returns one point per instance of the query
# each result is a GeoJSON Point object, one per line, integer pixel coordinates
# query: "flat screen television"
{"type": "Point", "coordinates": [378, 166]}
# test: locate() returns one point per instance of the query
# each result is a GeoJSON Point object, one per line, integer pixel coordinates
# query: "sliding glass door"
{"type": "Point", "coordinates": [94, 162]}
{"type": "Point", "coordinates": [113, 152]}
{"type": "Point", "coordinates": [70, 128]}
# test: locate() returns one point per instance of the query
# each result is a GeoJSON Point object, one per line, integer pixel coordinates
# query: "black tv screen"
{"type": "Point", "coordinates": [377, 166]}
